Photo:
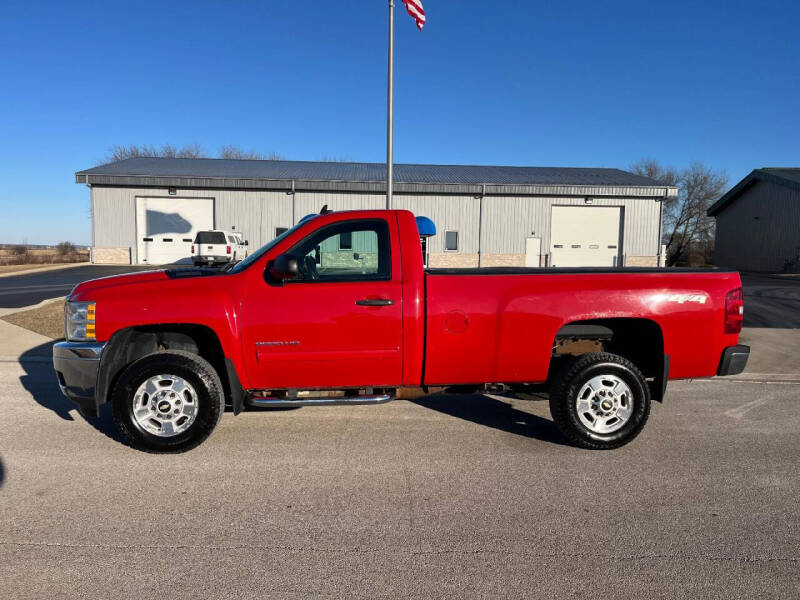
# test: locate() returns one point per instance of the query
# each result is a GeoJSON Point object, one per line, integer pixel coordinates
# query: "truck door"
{"type": "Point", "coordinates": [339, 324]}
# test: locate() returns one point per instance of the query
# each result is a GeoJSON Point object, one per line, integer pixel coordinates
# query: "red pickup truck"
{"type": "Point", "coordinates": [339, 309]}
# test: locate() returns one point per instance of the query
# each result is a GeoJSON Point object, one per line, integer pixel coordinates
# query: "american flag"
{"type": "Point", "coordinates": [414, 8]}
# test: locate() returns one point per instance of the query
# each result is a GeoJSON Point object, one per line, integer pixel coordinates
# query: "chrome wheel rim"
{"type": "Point", "coordinates": [605, 404]}
{"type": "Point", "coordinates": [165, 405]}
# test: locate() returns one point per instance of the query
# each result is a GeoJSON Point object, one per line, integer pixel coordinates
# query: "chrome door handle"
{"type": "Point", "coordinates": [374, 302]}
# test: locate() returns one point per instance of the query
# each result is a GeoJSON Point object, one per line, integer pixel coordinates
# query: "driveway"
{"type": "Point", "coordinates": [771, 301]}
{"type": "Point", "coordinates": [447, 497]}
{"type": "Point", "coordinates": [32, 288]}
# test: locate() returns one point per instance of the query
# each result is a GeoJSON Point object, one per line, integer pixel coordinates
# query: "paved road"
{"type": "Point", "coordinates": [449, 497]}
{"type": "Point", "coordinates": [25, 290]}
{"type": "Point", "coordinates": [771, 301]}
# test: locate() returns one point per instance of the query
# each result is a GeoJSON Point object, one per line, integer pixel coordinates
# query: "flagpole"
{"type": "Point", "coordinates": [390, 110]}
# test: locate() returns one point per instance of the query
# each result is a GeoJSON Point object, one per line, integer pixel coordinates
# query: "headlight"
{"type": "Point", "coordinates": [79, 321]}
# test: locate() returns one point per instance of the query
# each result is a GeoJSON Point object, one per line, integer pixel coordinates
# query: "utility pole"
{"type": "Point", "coordinates": [390, 110]}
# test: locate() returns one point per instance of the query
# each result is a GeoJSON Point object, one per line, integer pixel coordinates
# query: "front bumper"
{"type": "Point", "coordinates": [734, 360]}
{"type": "Point", "coordinates": [76, 365]}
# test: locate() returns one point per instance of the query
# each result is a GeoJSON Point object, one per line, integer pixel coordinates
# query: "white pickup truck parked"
{"type": "Point", "coordinates": [218, 247]}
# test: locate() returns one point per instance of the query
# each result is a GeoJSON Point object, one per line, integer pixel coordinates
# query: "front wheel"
{"type": "Point", "coordinates": [601, 401]}
{"type": "Point", "coordinates": [168, 401]}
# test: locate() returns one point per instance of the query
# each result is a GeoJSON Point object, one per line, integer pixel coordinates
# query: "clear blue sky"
{"type": "Point", "coordinates": [571, 82]}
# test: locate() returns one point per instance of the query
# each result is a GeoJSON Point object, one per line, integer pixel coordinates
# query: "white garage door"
{"type": "Point", "coordinates": [165, 228]}
{"type": "Point", "coordinates": [585, 236]}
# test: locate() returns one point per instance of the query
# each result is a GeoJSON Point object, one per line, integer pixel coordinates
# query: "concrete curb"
{"type": "Point", "coordinates": [46, 268]}
{"type": "Point", "coordinates": [793, 378]}
{"type": "Point", "coordinates": [748, 376]}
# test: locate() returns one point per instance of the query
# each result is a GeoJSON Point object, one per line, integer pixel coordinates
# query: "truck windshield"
{"type": "Point", "coordinates": [209, 237]}
{"type": "Point", "coordinates": [242, 265]}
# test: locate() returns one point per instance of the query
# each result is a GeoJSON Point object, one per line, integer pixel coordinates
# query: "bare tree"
{"type": "Point", "coordinates": [337, 159]}
{"type": "Point", "coordinates": [121, 152]}
{"type": "Point", "coordinates": [230, 151]}
{"type": "Point", "coordinates": [194, 150]}
{"type": "Point", "coordinates": [688, 231]}
{"type": "Point", "coordinates": [64, 248]}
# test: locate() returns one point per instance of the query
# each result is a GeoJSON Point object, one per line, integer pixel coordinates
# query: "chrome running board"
{"type": "Point", "coordinates": [318, 401]}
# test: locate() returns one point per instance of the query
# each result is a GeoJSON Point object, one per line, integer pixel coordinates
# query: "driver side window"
{"type": "Point", "coordinates": [347, 251]}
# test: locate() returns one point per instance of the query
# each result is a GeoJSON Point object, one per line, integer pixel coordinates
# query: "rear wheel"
{"type": "Point", "coordinates": [168, 402]}
{"type": "Point", "coordinates": [600, 401]}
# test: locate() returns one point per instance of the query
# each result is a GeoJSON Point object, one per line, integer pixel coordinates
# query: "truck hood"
{"type": "Point", "coordinates": [88, 288]}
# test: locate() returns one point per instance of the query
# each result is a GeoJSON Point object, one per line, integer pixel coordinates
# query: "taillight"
{"type": "Point", "coordinates": [734, 311]}
{"type": "Point", "coordinates": [228, 250]}
{"type": "Point", "coordinates": [192, 248]}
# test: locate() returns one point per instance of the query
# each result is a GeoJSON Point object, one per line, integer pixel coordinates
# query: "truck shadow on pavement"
{"type": "Point", "coordinates": [40, 382]}
{"type": "Point", "coordinates": [494, 413]}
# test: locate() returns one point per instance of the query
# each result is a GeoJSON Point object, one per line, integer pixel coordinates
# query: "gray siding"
{"type": "Point", "coordinates": [507, 220]}
{"type": "Point", "coordinates": [449, 213]}
{"type": "Point", "coordinates": [311, 202]}
{"type": "Point", "coordinates": [256, 214]}
{"type": "Point", "coordinates": [114, 213]}
{"type": "Point", "coordinates": [760, 230]}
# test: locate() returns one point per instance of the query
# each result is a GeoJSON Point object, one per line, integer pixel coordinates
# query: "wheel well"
{"type": "Point", "coordinates": [639, 340]}
{"type": "Point", "coordinates": [131, 344]}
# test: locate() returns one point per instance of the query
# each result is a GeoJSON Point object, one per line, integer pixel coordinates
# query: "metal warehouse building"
{"type": "Point", "coordinates": [758, 222]}
{"type": "Point", "coordinates": [148, 210]}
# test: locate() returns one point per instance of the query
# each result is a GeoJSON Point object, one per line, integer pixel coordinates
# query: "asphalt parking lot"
{"type": "Point", "coordinates": [771, 301]}
{"type": "Point", "coordinates": [448, 496]}
{"type": "Point", "coordinates": [451, 496]}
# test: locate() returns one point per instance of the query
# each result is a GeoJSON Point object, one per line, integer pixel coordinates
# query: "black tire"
{"type": "Point", "coordinates": [187, 365]}
{"type": "Point", "coordinates": [570, 381]}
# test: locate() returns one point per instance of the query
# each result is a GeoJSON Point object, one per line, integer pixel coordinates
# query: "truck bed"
{"type": "Point", "coordinates": [503, 329]}
{"type": "Point", "coordinates": [568, 270]}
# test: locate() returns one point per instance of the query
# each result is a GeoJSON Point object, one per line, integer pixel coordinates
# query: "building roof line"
{"type": "Point", "coordinates": [378, 187]}
{"type": "Point", "coordinates": [362, 173]}
{"type": "Point", "coordinates": [784, 176]}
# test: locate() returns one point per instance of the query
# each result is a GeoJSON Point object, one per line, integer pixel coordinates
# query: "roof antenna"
{"type": "Point", "coordinates": [325, 210]}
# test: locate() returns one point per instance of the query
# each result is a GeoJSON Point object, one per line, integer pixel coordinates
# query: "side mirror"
{"type": "Point", "coordinates": [283, 267]}
{"type": "Point", "coordinates": [246, 243]}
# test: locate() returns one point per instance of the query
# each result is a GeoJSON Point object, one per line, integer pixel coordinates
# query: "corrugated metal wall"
{"type": "Point", "coordinates": [254, 213]}
{"type": "Point", "coordinates": [507, 221]}
{"type": "Point", "coordinates": [449, 213]}
{"type": "Point", "coordinates": [759, 230]}
{"type": "Point", "coordinates": [114, 211]}
{"type": "Point", "coordinates": [312, 202]}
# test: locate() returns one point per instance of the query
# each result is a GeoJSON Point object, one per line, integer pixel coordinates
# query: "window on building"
{"type": "Point", "coordinates": [451, 241]}
{"type": "Point", "coordinates": [280, 231]}
{"type": "Point", "coordinates": [346, 240]}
